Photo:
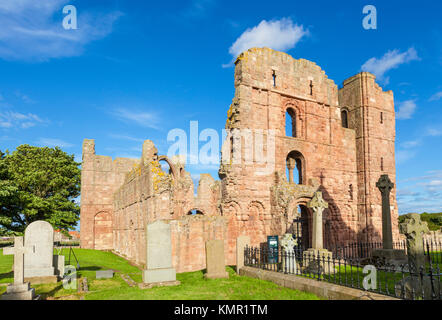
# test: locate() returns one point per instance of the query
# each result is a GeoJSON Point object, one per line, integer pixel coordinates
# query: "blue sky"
{"type": "Point", "coordinates": [133, 70]}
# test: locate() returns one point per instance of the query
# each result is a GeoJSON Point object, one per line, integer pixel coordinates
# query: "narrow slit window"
{"type": "Point", "coordinates": [311, 87]}
{"type": "Point", "coordinates": [344, 118]}
{"type": "Point", "coordinates": [274, 78]}
{"type": "Point", "coordinates": [382, 117]}
{"type": "Point", "coordinates": [382, 164]}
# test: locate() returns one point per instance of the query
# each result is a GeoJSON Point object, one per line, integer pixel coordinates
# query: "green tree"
{"type": "Point", "coordinates": [38, 183]}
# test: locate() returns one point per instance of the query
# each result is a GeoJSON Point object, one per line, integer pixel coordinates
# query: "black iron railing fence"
{"type": "Point", "coordinates": [364, 250]}
{"type": "Point", "coordinates": [390, 279]}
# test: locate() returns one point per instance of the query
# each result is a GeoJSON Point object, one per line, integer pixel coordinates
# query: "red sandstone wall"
{"type": "Point", "coordinates": [374, 140]}
{"type": "Point", "coordinates": [100, 176]}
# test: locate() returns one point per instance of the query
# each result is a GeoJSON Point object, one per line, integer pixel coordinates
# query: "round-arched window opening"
{"type": "Point", "coordinates": [165, 167]}
{"type": "Point", "coordinates": [195, 212]}
{"type": "Point", "coordinates": [290, 123]}
{"type": "Point", "coordinates": [295, 167]}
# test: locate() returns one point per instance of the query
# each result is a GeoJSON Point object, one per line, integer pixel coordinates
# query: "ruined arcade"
{"type": "Point", "coordinates": [341, 141]}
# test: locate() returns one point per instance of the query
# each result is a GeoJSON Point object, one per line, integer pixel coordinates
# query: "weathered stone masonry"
{"type": "Point", "coordinates": [341, 142]}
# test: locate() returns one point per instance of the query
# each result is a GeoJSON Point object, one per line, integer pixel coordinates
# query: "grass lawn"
{"type": "Point", "coordinates": [193, 285]}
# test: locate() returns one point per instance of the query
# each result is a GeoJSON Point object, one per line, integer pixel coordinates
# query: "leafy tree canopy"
{"type": "Point", "coordinates": [38, 183]}
{"type": "Point", "coordinates": [434, 220]}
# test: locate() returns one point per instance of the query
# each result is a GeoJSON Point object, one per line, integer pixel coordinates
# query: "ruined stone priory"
{"type": "Point", "coordinates": [339, 142]}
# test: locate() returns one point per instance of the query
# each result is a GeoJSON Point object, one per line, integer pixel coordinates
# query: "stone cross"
{"type": "Point", "coordinates": [18, 251]}
{"type": "Point", "coordinates": [413, 228]}
{"type": "Point", "coordinates": [317, 204]}
{"type": "Point", "coordinates": [385, 185]}
{"type": "Point", "coordinates": [288, 243]}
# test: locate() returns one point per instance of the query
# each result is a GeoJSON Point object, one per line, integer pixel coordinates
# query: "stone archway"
{"type": "Point", "coordinates": [103, 231]}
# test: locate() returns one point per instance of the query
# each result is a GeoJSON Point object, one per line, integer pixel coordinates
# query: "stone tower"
{"type": "Point", "coordinates": [371, 115]}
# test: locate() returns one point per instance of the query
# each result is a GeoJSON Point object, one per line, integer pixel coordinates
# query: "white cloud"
{"type": "Point", "coordinates": [198, 8]}
{"type": "Point", "coordinates": [125, 137]}
{"type": "Point", "coordinates": [281, 35]}
{"type": "Point", "coordinates": [406, 109]}
{"type": "Point", "coordinates": [436, 96]}
{"type": "Point", "coordinates": [10, 119]}
{"type": "Point", "coordinates": [32, 30]}
{"type": "Point", "coordinates": [410, 144]}
{"type": "Point", "coordinates": [144, 119]}
{"type": "Point", "coordinates": [434, 132]}
{"type": "Point", "coordinates": [404, 155]}
{"type": "Point", "coordinates": [49, 142]}
{"type": "Point", "coordinates": [390, 60]}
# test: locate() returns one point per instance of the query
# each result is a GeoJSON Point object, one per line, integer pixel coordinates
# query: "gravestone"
{"type": "Point", "coordinates": [241, 243]}
{"type": "Point", "coordinates": [58, 263]}
{"type": "Point", "coordinates": [19, 290]}
{"type": "Point", "coordinates": [288, 244]}
{"type": "Point", "coordinates": [104, 274]}
{"type": "Point", "coordinates": [215, 262]}
{"type": "Point", "coordinates": [413, 229]}
{"type": "Point", "coordinates": [159, 269]}
{"type": "Point", "coordinates": [39, 263]}
{"type": "Point", "coordinates": [387, 255]}
{"type": "Point", "coordinates": [315, 257]}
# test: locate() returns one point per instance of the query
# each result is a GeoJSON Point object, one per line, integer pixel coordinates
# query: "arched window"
{"type": "Point", "coordinates": [344, 118]}
{"type": "Point", "coordinates": [290, 123]}
{"type": "Point", "coordinates": [295, 167]}
{"type": "Point", "coordinates": [165, 167]}
{"type": "Point", "coordinates": [194, 212]}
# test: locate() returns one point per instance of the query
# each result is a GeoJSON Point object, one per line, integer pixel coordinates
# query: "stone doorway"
{"type": "Point", "coordinates": [302, 227]}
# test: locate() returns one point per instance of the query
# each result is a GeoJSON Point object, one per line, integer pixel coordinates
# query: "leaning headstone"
{"type": "Point", "coordinates": [241, 243]}
{"type": "Point", "coordinates": [159, 269]}
{"type": "Point", "coordinates": [413, 229]}
{"type": "Point", "coordinates": [289, 263]}
{"type": "Point", "coordinates": [104, 274]}
{"type": "Point", "coordinates": [39, 264]}
{"type": "Point", "coordinates": [19, 290]}
{"type": "Point", "coordinates": [215, 262]}
{"type": "Point", "coordinates": [387, 255]}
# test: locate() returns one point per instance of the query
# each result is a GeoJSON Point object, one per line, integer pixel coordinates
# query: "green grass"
{"type": "Point", "coordinates": [193, 284]}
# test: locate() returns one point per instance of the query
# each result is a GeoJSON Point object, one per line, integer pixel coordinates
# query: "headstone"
{"type": "Point", "coordinates": [317, 204]}
{"type": "Point", "coordinates": [316, 259]}
{"type": "Point", "coordinates": [39, 263]}
{"type": "Point", "coordinates": [58, 263]}
{"type": "Point", "coordinates": [387, 255]}
{"type": "Point", "coordinates": [215, 262]}
{"type": "Point", "coordinates": [241, 243]}
{"type": "Point", "coordinates": [104, 274]}
{"type": "Point", "coordinates": [385, 185]}
{"type": "Point", "coordinates": [159, 269]}
{"type": "Point", "coordinates": [413, 229]}
{"type": "Point", "coordinates": [289, 263]}
{"type": "Point", "coordinates": [19, 290]}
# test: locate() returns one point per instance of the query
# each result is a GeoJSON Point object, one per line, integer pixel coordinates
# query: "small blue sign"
{"type": "Point", "coordinates": [273, 244]}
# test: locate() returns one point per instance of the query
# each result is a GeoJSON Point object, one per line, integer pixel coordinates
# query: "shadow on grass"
{"type": "Point", "coordinates": [6, 275]}
{"type": "Point", "coordinates": [92, 268]}
{"type": "Point", "coordinates": [45, 295]}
